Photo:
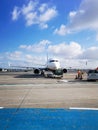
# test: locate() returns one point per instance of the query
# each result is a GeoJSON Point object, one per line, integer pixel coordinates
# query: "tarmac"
{"type": "Point", "coordinates": [25, 90]}
{"type": "Point", "coordinates": [29, 101]}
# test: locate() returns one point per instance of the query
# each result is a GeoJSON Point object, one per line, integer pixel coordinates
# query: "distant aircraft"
{"type": "Point", "coordinates": [51, 69]}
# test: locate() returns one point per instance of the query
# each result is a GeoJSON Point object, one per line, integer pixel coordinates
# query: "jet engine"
{"type": "Point", "coordinates": [37, 71]}
{"type": "Point", "coordinates": [64, 70]}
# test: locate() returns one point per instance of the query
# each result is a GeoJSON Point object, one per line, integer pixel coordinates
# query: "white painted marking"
{"type": "Point", "coordinates": [15, 85]}
{"type": "Point", "coordinates": [1, 107]}
{"type": "Point", "coordinates": [64, 80]}
{"type": "Point", "coordinates": [82, 108]}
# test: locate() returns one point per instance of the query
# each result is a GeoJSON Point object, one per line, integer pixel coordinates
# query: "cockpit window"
{"type": "Point", "coordinates": [53, 60]}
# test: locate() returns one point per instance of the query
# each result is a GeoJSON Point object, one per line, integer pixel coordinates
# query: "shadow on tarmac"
{"type": "Point", "coordinates": [29, 76]}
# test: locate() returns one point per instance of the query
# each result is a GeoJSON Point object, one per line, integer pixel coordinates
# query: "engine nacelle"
{"type": "Point", "coordinates": [64, 70]}
{"type": "Point", "coordinates": [37, 71]}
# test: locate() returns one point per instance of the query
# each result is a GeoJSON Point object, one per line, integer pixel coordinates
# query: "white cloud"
{"type": "Point", "coordinates": [43, 25]}
{"type": "Point", "coordinates": [72, 14]}
{"type": "Point", "coordinates": [43, 7]}
{"type": "Point", "coordinates": [35, 60]}
{"type": "Point", "coordinates": [31, 18]}
{"type": "Point", "coordinates": [48, 14]}
{"type": "Point", "coordinates": [15, 13]}
{"type": "Point", "coordinates": [62, 30]}
{"type": "Point", "coordinates": [97, 36]}
{"type": "Point", "coordinates": [84, 18]}
{"type": "Point", "coordinates": [38, 47]}
{"type": "Point", "coordinates": [35, 13]}
{"type": "Point", "coordinates": [72, 54]}
{"type": "Point", "coordinates": [14, 55]}
{"type": "Point", "coordinates": [90, 53]}
{"type": "Point", "coordinates": [63, 50]}
{"type": "Point", "coordinates": [72, 50]}
{"type": "Point", "coordinates": [29, 7]}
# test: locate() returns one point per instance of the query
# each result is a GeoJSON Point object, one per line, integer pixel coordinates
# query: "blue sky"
{"type": "Point", "coordinates": [66, 29]}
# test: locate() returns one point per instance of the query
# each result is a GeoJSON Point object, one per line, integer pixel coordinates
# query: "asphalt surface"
{"type": "Point", "coordinates": [24, 90]}
{"type": "Point", "coordinates": [34, 102]}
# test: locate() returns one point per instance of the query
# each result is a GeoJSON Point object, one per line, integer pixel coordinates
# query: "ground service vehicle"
{"type": "Point", "coordinates": [92, 75]}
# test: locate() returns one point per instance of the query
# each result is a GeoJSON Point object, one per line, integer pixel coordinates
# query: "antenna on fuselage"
{"type": "Point", "coordinates": [47, 58]}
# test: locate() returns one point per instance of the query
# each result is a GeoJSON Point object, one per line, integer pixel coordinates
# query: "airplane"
{"type": "Point", "coordinates": [51, 69]}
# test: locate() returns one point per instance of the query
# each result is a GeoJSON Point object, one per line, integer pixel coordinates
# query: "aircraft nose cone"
{"type": "Point", "coordinates": [57, 65]}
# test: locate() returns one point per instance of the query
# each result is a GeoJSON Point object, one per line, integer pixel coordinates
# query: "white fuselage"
{"type": "Point", "coordinates": [53, 64]}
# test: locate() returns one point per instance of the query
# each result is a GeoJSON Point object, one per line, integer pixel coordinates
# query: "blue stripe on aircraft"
{"type": "Point", "coordinates": [48, 119]}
